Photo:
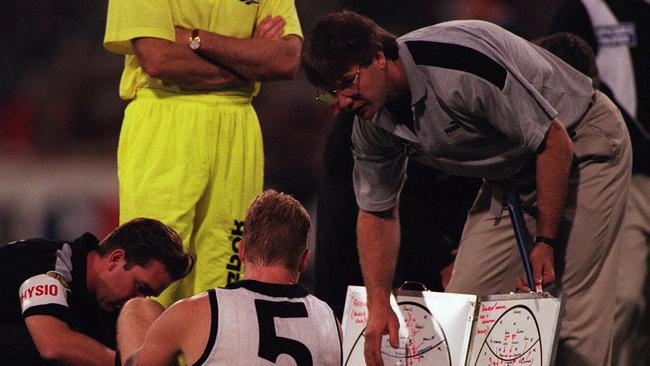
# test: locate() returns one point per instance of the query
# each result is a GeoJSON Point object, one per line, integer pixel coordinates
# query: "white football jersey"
{"type": "Point", "coordinates": [260, 324]}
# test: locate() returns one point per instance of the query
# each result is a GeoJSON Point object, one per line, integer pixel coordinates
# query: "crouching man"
{"type": "Point", "coordinates": [59, 300]}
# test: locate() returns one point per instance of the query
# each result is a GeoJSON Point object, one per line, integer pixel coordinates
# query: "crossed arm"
{"type": "Point", "coordinates": [55, 341]}
{"type": "Point", "coordinates": [223, 61]}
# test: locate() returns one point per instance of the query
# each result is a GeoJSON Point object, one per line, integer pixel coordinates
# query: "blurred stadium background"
{"type": "Point", "coordinates": [60, 113]}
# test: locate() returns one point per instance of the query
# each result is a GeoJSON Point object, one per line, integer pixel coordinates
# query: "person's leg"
{"type": "Point", "coordinates": [587, 259]}
{"type": "Point", "coordinates": [593, 216]}
{"type": "Point", "coordinates": [487, 262]}
{"type": "Point", "coordinates": [236, 177]}
{"type": "Point", "coordinates": [134, 321]}
{"type": "Point", "coordinates": [163, 168]}
{"type": "Point", "coordinates": [634, 239]}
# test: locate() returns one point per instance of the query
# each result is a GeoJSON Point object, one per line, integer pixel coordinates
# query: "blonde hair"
{"type": "Point", "coordinates": [276, 230]}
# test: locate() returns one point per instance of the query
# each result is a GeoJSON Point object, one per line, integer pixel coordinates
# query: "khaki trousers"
{"type": "Point", "coordinates": [630, 339]}
{"type": "Point", "coordinates": [586, 261]}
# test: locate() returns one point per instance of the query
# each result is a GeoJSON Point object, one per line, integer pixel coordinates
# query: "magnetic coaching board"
{"type": "Point", "coordinates": [456, 329]}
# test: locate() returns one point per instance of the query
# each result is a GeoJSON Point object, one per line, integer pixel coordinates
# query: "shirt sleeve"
{"type": "Point", "coordinates": [379, 167]}
{"type": "Point", "coordinates": [128, 19]}
{"type": "Point", "coordinates": [284, 8]}
{"type": "Point", "coordinates": [498, 78]}
{"type": "Point", "coordinates": [44, 295]}
{"type": "Point", "coordinates": [46, 290]}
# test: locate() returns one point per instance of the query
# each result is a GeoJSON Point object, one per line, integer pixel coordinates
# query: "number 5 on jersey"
{"type": "Point", "coordinates": [271, 346]}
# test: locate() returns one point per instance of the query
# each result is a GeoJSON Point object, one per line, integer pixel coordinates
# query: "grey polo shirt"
{"type": "Point", "coordinates": [482, 100]}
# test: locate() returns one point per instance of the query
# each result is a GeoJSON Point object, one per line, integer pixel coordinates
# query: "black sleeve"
{"type": "Point", "coordinates": [55, 310]}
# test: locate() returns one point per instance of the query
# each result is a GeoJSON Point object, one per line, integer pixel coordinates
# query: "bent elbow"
{"type": "Point", "coordinates": [152, 54]}
{"type": "Point", "coordinates": [292, 66]}
{"type": "Point", "coordinates": [292, 71]}
{"type": "Point", "coordinates": [51, 353]}
{"type": "Point", "coordinates": [152, 67]}
{"type": "Point", "coordinates": [286, 68]}
{"type": "Point", "coordinates": [286, 71]}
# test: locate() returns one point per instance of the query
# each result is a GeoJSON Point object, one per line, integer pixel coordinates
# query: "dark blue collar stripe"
{"type": "Point", "coordinates": [457, 57]}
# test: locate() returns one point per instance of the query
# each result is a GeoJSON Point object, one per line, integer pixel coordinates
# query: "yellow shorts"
{"type": "Point", "coordinates": [195, 163]}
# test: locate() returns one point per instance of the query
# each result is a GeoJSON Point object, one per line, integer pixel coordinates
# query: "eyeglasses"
{"type": "Point", "coordinates": [346, 88]}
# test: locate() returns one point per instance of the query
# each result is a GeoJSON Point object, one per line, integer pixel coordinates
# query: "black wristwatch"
{"type": "Point", "coordinates": [546, 240]}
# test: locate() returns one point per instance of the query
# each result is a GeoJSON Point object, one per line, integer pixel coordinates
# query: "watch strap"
{"type": "Point", "coordinates": [546, 240]}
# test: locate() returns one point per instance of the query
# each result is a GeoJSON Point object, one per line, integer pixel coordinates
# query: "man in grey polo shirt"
{"type": "Point", "coordinates": [472, 99]}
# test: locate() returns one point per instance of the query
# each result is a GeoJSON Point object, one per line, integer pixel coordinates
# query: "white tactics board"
{"type": "Point", "coordinates": [515, 329]}
{"type": "Point", "coordinates": [434, 328]}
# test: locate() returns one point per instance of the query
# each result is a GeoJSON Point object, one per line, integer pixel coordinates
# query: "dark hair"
{"type": "Point", "coordinates": [342, 40]}
{"type": "Point", "coordinates": [144, 240]}
{"type": "Point", "coordinates": [276, 230]}
{"type": "Point", "coordinates": [573, 50]}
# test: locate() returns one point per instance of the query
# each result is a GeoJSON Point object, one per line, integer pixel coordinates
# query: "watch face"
{"type": "Point", "coordinates": [195, 43]}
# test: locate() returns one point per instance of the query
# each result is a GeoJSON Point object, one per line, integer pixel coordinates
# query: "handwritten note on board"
{"type": "Point", "coordinates": [457, 329]}
{"type": "Point", "coordinates": [434, 328]}
{"type": "Point", "coordinates": [516, 329]}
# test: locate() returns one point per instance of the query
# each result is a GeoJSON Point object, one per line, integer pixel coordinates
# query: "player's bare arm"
{"type": "Point", "coordinates": [137, 315]}
{"type": "Point", "coordinates": [553, 168]}
{"type": "Point", "coordinates": [267, 56]}
{"type": "Point", "coordinates": [378, 241]}
{"type": "Point", "coordinates": [131, 360]}
{"type": "Point", "coordinates": [56, 342]}
{"type": "Point", "coordinates": [179, 65]}
{"type": "Point", "coordinates": [170, 334]}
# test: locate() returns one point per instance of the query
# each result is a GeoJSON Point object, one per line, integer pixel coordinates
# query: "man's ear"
{"type": "Point", "coordinates": [304, 261]}
{"type": "Point", "coordinates": [380, 59]}
{"type": "Point", "coordinates": [242, 251]}
{"type": "Point", "coordinates": [115, 257]}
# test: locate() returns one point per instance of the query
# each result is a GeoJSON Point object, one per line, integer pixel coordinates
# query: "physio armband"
{"type": "Point", "coordinates": [42, 290]}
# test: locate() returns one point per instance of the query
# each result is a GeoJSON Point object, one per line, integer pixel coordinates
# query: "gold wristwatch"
{"type": "Point", "coordinates": [195, 40]}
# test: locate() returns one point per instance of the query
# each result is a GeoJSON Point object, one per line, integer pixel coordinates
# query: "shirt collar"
{"type": "Point", "coordinates": [414, 74]}
{"type": "Point", "coordinates": [271, 289]}
{"type": "Point", "coordinates": [416, 81]}
{"type": "Point", "coordinates": [80, 249]}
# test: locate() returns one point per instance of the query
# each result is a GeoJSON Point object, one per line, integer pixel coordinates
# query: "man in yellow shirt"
{"type": "Point", "coordinates": [190, 151]}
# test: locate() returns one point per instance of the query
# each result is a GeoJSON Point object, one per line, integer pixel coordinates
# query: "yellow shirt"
{"type": "Point", "coordinates": [129, 19]}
